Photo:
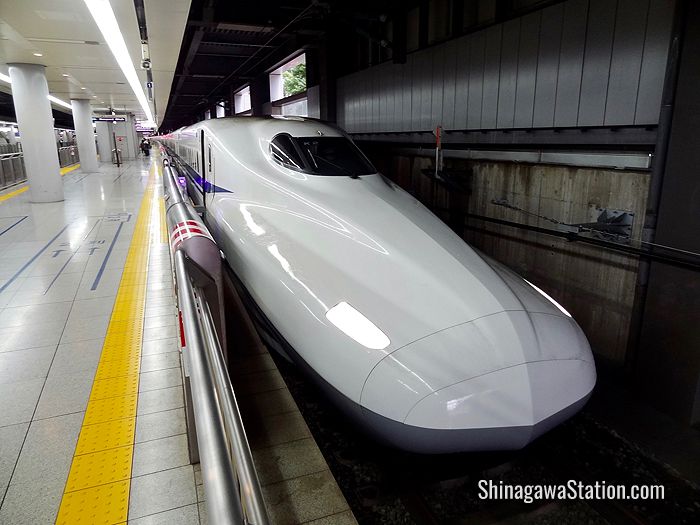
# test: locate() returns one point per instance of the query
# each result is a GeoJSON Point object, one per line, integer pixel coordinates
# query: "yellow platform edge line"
{"type": "Point", "coordinates": [25, 187]}
{"type": "Point", "coordinates": [70, 168]}
{"type": "Point", "coordinates": [97, 488]}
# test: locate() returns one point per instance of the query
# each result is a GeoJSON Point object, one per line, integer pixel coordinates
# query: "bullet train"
{"type": "Point", "coordinates": [429, 344]}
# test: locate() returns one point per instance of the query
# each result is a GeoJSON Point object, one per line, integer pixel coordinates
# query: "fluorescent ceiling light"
{"type": "Point", "coordinates": [59, 102]}
{"type": "Point", "coordinates": [104, 17]}
{"type": "Point", "coordinates": [37, 54]}
{"type": "Point", "coordinates": [546, 296]}
{"type": "Point", "coordinates": [355, 325]}
{"type": "Point", "coordinates": [53, 99]}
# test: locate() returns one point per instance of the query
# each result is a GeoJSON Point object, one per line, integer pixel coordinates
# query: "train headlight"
{"type": "Point", "coordinates": [545, 295]}
{"type": "Point", "coordinates": [356, 326]}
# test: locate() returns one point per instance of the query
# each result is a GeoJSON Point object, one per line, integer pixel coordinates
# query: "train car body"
{"type": "Point", "coordinates": [432, 346]}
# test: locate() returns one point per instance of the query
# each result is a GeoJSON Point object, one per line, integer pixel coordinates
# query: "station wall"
{"type": "Point", "coordinates": [596, 286]}
{"type": "Point", "coordinates": [573, 64]}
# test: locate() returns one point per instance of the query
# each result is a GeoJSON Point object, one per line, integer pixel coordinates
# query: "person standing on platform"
{"type": "Point", "coordinates": [145, 147]}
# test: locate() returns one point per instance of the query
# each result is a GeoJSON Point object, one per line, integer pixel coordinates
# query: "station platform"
{"type": "Point", "coordinates": [90, 395]}
{"type": "Point", "coordinates": [92, 415]}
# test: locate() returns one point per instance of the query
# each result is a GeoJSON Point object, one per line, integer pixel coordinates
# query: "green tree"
{"type": "Point", "coordinates": [294, 80]}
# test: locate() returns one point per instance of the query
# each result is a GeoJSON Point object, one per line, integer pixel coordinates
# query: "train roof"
{"type": "Point", "coordinates": [267, 127]}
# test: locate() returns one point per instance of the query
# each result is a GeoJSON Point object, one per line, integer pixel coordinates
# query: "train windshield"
{"type": "Point", "coordinates": [320, 155]}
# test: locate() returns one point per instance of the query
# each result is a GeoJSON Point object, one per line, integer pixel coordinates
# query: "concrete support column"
{"type": "Point", "coordinates": [84, 134]}
{"type": "Point", "coordinates": [33, 110]}
{"type": "Point", "coordinates": [104, 141]}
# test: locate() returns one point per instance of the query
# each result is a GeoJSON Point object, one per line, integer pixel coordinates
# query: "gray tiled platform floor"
{"type": "Point", "coordinates": [54, 312]}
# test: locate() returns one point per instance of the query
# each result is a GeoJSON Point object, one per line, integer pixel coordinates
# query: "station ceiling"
{"type": "Point", "coordinates": [79, 64]}
{"type": "Point", "coordinates": [226, 44]}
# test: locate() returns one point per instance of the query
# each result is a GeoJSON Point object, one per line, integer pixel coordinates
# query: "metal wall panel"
{"type": "Point", "coordinates": [573, 39]}
{"type": "Point", "coordinates": [527, 70]}
{"type": "Point", "coordinates": [374, 111]}
{"type": "Point", "coordinates": [417, 78]}
{"type": "Point", "coordinates": [476, 79]}
{"type": "Point", "coordinates": [344, 117]}
{"type": "Point", "coordinates": [626, 62]}
{"type": "Point", "coordinates": [360, 97]}
{"type": "Point", "coordinates": [548, 66]}
{"type": "Point", "coordinates": [355, 98]}
{"type": "Point", "coordinates": [656, 42]}
{"type": "Point", "coordinates": [437, 85]}
{"type": "Point", "coordinates": [508, 77]}
{"type": "Point", "coordinates": [368, 102]}
{"type": "Point", "coordinates": [448, 95]}
{"type": "Point", "coordinates": [383, 88]}
{"type": "Point", "coordinates": [407, 94]}
{"type": "Point", "coordinates": [426, 90]}
{"type": "Point", "coordinates": [596, 63]}
{"type": "Point", "coordinates": [366, 98]}
{"type": "Point", "coordinates": [462, 50]}
{"type": "Point", "coordinates": [575, 63]}
{"type": "Point", "coordinates": [492, 72]}
{"type": "Point", "coordinates": [397, 75]}
{"type": "Point", "coordinates": [340, 110]}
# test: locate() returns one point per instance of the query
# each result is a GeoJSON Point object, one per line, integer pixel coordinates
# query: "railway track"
{"type": "Point", "coordinates": [386, 486]}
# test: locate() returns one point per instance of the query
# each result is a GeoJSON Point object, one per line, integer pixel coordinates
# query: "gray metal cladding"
{"type": "Point", "coordinates": [477, 56]}
{"type": "Point", "coordinates": [548, 66]}
{"type": "Point", "coordinates": [573, 64]}
{"type": "Point", "coordinates": [528, 49]}
{"type": "Point", "coordinates": [626, 62]}
{"type": "Point", "coordinates": [462, 48]}
{"type": "Point", "coordinates": [437, 85]}
{"type": "Point", "coordinates": [596, 62]}
{"type": "Point", "coordinates": [492, 74]}
{"type": "Point", "coordinates": [651, 79]}
{"type": "Point", "coordinates": [573, 41]}
{"type": "Point", "coordinates": [508, 79]}
{"type": "Point", "coordinates": [449, 86]}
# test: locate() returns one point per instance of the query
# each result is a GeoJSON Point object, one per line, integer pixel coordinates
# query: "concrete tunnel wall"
{"type": "Point", "coordinates": [595, 285]}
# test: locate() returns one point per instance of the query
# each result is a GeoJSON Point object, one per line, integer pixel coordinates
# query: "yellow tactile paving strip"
{"type": "Point", "coordinates": [24, 188]}
{"type": "Point", "coordinates": [97, 489]}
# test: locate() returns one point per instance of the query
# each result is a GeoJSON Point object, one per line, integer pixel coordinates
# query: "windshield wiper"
{"type": "Point", "coordinates": [346, 171]}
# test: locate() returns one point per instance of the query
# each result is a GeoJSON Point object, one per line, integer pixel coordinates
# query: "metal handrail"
{"type": "Point", "coordinates": [14, 155]}
{"type": "Point", "coordinates": [233, 489]}
{"type": "Point", "coordinates": [218, 474]}
{"type": "Point", "coordinates": [243, 458]}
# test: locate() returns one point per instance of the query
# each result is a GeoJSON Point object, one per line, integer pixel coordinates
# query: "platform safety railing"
{"type": "Point", "coordinates": [230, 480]}
{"type": "Point", "coordinates": [68, 155]}
{"type": "Point", "coordinates": [11, 169]}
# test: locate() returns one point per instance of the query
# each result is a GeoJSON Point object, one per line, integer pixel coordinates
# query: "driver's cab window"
{"type": "Point", "coordinates": [284, 152]}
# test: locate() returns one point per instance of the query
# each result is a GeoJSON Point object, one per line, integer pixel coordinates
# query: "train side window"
{"type": "Point", "coordinates": [285, 153]}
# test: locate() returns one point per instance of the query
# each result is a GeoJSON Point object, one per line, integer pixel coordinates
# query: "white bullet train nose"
{"type": "Point", "coordinates": [493, 383]}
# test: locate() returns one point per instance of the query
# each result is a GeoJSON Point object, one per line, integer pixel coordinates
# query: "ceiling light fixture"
{"type": "Point", "coordinates": [82, 88]}
{"type": "Point", "coordinates": [64, 75]}
{"type": "Point", "coordinates": [38, 54]}
{"type": "Point", "coordinates": [104, 17]}
{"type": "Point", "coordinates": [53, 99]}
{"type": "Point", "coordinates": [59, 102]}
